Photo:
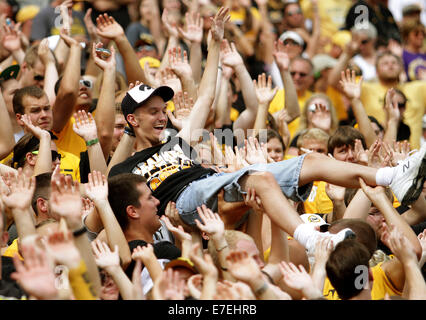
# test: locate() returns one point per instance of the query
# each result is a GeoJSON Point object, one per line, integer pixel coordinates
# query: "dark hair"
{"type": "Point", "coordinates": [123, 192]}
{"type": "Point", "coordinates": [20, 94]}
{"type": "Point", "coordinates": [365, 234]}
{"type": "Point", "coordinates": [28, 143]}
{"type": "Point", "coordinates": [341, 267]}
{"type": "Point", "coordinates": [42, 188]}
{"type": "Point", "coordinates": [372, 119]}
{"type": "Point", "coordinates": [345, 136]}
{"type": "Point", "coordinates": [271, 134]}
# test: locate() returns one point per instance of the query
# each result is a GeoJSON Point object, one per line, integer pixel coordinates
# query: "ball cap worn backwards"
{"type": "Point", "coordinates": [135, 97]}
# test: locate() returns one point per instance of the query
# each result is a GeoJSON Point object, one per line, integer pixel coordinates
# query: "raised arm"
{"type": "Point", "coordinates": [207, 88]}
{"type": "Point", "coordinates": [291, 100]}
{"type": "Point", "coordinates": [233, 59]}
{"type": "Point", "coordinates": [7, 141]}
{"type": "Point", "coordinates": [105, 109]}
{"type": "Point", "coordinates": [108, 28]}
{"type": "Point", "coordinates": [51, 73]}
{"type": "Point", "coordinates": [264, 95]}
{"type": "Point", "coordinates": [393, 117]}
{"type": "Point", "coordinates": [97, 191]}
{"type": "Point", "coordinates": [85, 127]}
{"type": "Point", "coordinates": [352, 89]}
{"type": "Point", "coordinates": [68, 89]}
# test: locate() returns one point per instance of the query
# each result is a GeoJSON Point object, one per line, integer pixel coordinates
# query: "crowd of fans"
{"type": "Point", "coordinates": [212, 150]}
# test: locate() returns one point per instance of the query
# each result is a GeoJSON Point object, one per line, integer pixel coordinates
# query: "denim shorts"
{"type": "Point", "coordinates": [205, 190]}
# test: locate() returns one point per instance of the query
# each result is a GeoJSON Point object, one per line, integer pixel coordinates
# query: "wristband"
{"type": "Point", "coordinates": [79, 232]}
{"type": "Point", "coordinates": [129, 131]}
{"type": "Point", "coordinates": [261, 290]}
{"type": "Point", "coordinates": [92, 142]}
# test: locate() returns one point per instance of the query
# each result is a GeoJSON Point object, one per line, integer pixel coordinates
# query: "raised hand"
{"type": "Point", "coordinates": [361, 155]}
{"type": "Point", "coordinates": [229, 54]}
{"type": "Point", "coordinates": [183, 107]}
{"type": "Point", "coordinates": [280, 56]}
{"type": "Point", "coordinates": [194, 28]}
{"type": "Point", "coordinates": [108, 28]}
{"type": "Point", "coordinates": [254, 152]}
{"type": "Point", "coordinates": [218, 23]}
{"type": "Point", "coordinates": [391, 106]}
{"type": "Point", "coordinates": [34, 274]}
{"type": "Point", "coordinates": [241, 266]}
{"type": "Point", "coordinates": [335, 193]}
{"type": "Point", "coordinates": [178, 64]}
{"type": "Point", "coordinates": [375, 194]}
{"type": "Point", "coordinates": [323, 249]}
{"type": "Point", "coordinates": [171, 29]}
{"type": "Point", "coordinates": [298, 279]}
{"type": "Point", "coordinates": [108, 63]}
{"type": "Point", "coordinates": [65, 201]}
{"type": "Point", "coordinates": [253, 201]}
{"type": "Point", "coordinates": [11, 40]}
{"type": "Point", "coordinates": [168, 78]}
{"type": "Point", "coordinates": [69, 41]}
{"type": "Point", "coordinates": [321, 117]}
{"type": "Point", "coordinates": [204, 264]}
{"type": "Point", "coordinates": [37, 131]}
{"type": "Point", "coordinates": [178, 232]}
{"type": "Point", "coordinates": [60, 246]}
{"type": "Point", "coordinates": [401, 247]}
{"type": "Point", "coordinates": [350, 86]}
{"type": "Point", "coordinates": [264, 91]}
{"type": "Point", "coordinates": [88, 207]}
{"type": "Point", "coordinates": [44, 52]}
{"type": "Point", "coordinates": [21, 190]}
{"type": "Point", "coordinates": [104, 257]}
{"type": "Point", "coordinates": [85, 125]}
{"type": "Point", "coordinates": [169, 287]}
{"type": "Point", "coordinates": [398, 151]}
{"type": "Point", "coordinates": [91, 28]}
{"type": "Point", "coordinates": [97, 187]}
{"type": "Point", "coordinates": [212, 223]}
{"type": "Point", "coordinates": [144, 253]}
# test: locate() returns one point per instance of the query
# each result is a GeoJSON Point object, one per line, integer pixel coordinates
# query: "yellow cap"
{"type": "Point", "coordinates": [341, 38]}
{"type": "Point", "coordinates": [153, 63]}
{"type": "Point", "coordinates": [27, 13]}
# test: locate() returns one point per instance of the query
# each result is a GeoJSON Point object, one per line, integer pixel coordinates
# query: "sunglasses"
{"type": "Point", "coordinates": [401, 104]}
{"type": "Point", "coordinates": [38, 78]}
{"type": "Point", "coordinates": [301, 74]}
{"type": "Point", "coordinates": [55, 154]}
{"type": "Point", "coordinates": [291, 42]}
{"type": "Point", "coordinates": [365, 41]}
{"type": "Point", "coordinates": [291, 13]}
{"type": "Point", "coordinates": [86, 83]}
{"type": "Point", "coordinates": [313, 108]}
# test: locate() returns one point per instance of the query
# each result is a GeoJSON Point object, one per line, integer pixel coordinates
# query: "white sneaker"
{"type": "Point", "coordinates": [343, 234]}
{"type": "Point", "coordinates": [407, 183]}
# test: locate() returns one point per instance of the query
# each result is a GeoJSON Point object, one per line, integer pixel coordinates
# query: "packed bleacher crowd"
{"type": "Point", "coordinates": [212, 150]}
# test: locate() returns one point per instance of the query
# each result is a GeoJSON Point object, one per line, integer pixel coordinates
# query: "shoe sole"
{"type": "Point", "coordinates": [416, 188]}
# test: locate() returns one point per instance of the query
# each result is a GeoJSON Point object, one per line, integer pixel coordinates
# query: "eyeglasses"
{"type": "Point", "coordinates": [55, 154]}
{"type": "Point", "coordinates": [86, 83]}
{"type": "Point", "coordinates": [301, 74]}
{"type": "Point", "coordinates": [38, 77]}
{"type": "Point", "coordinates": [291, 13]}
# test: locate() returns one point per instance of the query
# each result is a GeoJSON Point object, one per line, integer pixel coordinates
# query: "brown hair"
{"type": "Point", "coordinates": [345, 136]}
{"type": "Point", "coordinates": [123, 192]}
{"type": "Point", "coordinates": [410, 25]}
{"type": "Point", "coordinates": [20, 94]}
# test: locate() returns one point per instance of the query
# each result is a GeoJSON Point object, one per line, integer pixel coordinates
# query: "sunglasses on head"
{"type": "Point", "coordinates": [302, 74]}
{"type": "Point", "coordinates": [55, 154]}
{"type": "Point", "coordinates": [86, 83]}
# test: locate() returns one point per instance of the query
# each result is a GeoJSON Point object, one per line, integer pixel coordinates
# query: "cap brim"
{"type": "Point", "coordinates": [165, 92]}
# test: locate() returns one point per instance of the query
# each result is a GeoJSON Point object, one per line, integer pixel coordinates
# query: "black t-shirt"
{"type": "Point", "coordinates": [8, 287]}
{"type": "Point", "coordinates": [168, 168]}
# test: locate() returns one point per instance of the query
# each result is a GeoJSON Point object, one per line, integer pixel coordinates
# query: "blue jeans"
{"type": "Point", "coordinates": [204, 191]}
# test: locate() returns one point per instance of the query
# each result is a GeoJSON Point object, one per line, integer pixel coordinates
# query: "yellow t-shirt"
{"type": "Point", "coordinates": [318, 201]}
{"type": "Point", "coordinates": [332, 14]}
{"type": "Point", "coordinates": [70, 141]}
{"type": "Point", "coordinates": [278, 103]}
{"type": "Point", "coordinates": [373, 95]}
{"type": "Point", "coordinates": [381, 286]}
{"type": "Point", "coordinates": [12, 250]}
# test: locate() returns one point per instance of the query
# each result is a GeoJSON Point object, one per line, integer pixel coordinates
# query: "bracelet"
{"type": "Point", "coordinates": [79, 232]}
{"type": "Point", "coordinates": [92, 142]}
{"type": "Point", "coordinates": [129, 131]}
{"type": "Point", "coordinates": [262, 289]}
{"type": "Point", "coordinates": [219, 250]}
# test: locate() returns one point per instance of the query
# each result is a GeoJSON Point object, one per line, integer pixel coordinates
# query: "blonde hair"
{"type": "Point", "coordinates": [303, 124]}
{"type": "Point", "coordinates": [316, 134]}
{"type": "Point", "coordinates": [378, 256]}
